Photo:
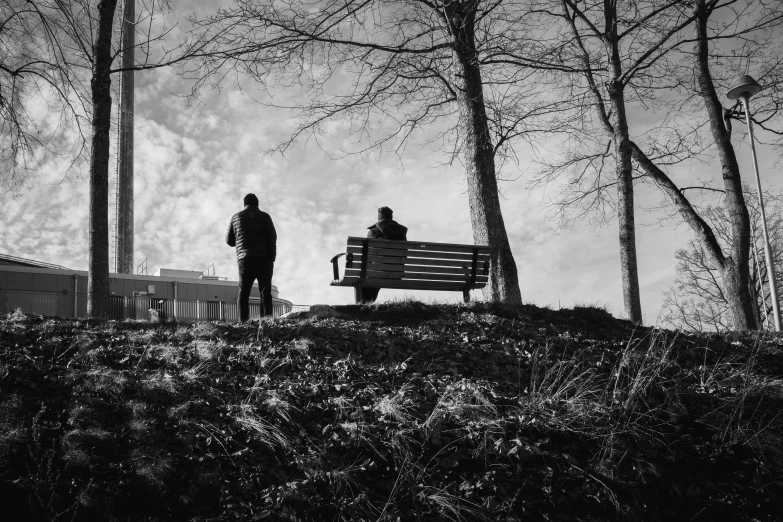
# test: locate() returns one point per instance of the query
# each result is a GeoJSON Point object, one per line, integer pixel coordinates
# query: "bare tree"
{"type": "Point", "coordinates": [67, 46]}
{"type": "Point", "coordinates": [34, 70]}
{"type": "Point", "coordinates": [696, 300]}
{"type": "Point", "coordinates": [385, 69]}
{"type": "Point", "coordinates": [654, 55]}
{"type": "Point", "coordinates": [604, 54]}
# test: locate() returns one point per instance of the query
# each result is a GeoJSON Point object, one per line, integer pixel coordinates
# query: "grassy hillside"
{"type": "Point", "coordinates": [399, 411]}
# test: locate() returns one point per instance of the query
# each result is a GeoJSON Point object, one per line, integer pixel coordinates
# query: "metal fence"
{"type": "Point", "coordinates": [188, 310]}
{"type": "Point", "coordinates": [140, 307]}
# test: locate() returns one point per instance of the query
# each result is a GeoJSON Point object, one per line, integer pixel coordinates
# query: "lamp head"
{"type": "Point", "coordinates": [744, 86]}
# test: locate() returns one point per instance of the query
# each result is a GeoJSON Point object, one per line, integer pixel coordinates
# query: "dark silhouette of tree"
{"type": "Point", "coordinates": [696, 300]}
{"type": "Point", "coordinates": [34, 70]}
{"type": "Point", "coordinates": [70, 49]}
{"type": "Point", "coordinates": [382, 71]}
{"type": "Point", "coordinates": [654, 55]}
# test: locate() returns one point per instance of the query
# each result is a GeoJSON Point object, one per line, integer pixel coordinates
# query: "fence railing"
{"type": "Point", "coordinates": [187, 310]}
{"type": "Point", "coordinates": [139, 307]}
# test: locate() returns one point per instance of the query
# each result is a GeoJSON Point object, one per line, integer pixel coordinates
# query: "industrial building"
{"type": "Point", "coordinates": [182, 295]}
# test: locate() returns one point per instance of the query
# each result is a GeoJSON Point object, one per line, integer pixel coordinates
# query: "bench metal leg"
{"type": "Point", "coordinates": [466, 295]}
{"type": "Point", "coordinates": [357, 294]}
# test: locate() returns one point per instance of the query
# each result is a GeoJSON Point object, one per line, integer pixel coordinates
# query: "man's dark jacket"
{"type": "Point", "coordinates": [388, 229]}
{"type": "Point", "coordinates": [253, 233]}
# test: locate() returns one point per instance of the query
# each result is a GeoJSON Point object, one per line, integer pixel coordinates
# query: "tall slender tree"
{"type": "Point", "coordinates": [98, 304]}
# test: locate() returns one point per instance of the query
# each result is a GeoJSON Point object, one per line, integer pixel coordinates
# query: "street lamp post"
{"type": "Point", "coordinates": [745, 87]}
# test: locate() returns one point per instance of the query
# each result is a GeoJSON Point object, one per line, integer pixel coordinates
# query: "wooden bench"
{"type": "Point", "coordinates": [413, 265]}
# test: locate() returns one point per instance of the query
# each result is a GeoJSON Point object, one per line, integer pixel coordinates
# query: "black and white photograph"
{"type": "Point", "coordinates": [391, 260]}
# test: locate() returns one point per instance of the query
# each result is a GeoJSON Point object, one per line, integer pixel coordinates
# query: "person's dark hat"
{"type": "Point", "coordinates": [250, 199]}
{"type": "Point", "coordinates": [385, 213]}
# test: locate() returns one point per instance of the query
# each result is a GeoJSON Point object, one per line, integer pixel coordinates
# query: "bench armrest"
{"type": "Point", "coordinates": [348, 264]}
{"type": "Point", "coordinates": [334, 266]}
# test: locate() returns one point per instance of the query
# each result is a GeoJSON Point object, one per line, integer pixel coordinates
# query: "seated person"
{"type": "Point", "coordinates": [385, 228]}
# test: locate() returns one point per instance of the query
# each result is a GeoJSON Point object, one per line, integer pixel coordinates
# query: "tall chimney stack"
{"type": "Point", "coordinates": [124, 236]}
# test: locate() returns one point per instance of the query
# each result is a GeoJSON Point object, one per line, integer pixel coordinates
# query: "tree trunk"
{"type": "Point", "coordinates": [614, 121]}
{"type": "Point", "coordinates": [735, 268]}
{"type": "Point", "coordinates": [624, 169]}
{"type": "Point", "coordinates": [625, 208]}
{"type": "Point", "coordinates": [485, 214]}
{"type": "Point", "coordinates": [738, 295]}
{"type": "Point", "coordinates": [98, 300]}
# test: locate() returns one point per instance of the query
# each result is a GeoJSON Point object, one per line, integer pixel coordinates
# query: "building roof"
{"type": "Point", "coordinates": [5, 259]}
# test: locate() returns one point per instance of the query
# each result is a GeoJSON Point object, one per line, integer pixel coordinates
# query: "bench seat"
{"type": "Point", "coordinates": [412, 265]}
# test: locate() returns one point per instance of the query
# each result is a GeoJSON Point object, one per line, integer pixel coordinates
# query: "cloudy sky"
{"type": "Point", "coordinates": [195, 162]}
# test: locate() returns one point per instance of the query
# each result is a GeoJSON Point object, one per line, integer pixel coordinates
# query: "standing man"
{"type": "Point", "coordinates": [253, 233]}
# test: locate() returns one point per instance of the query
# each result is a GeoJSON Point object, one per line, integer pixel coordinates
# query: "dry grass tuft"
{"type": "Point", "coordinates": [261, 429]}
{"type": "Point", "coordinates": [395, 406]}
{"type": "Point", "coordinates": [451, 506]}
{"type": "Point", "coordinates": [12, 424]}
{"type": "Point", "coordinates": [158, 387]}
{"type": "Point", "coordinates": [165, 354]}
{"type": "Point", "coordinates": [151, 465]}
{"type": "Point", "coordinates": [462, 403]}
{"type": "Point", "coordinates": [563, 393]}
{"type": "Point", "coordinates": [204, 330]}
{"type": "Point", "coordinates": [276, 405]}
{"type": "Point", "coordinates": [206, 350]}
{"type": "Point", "coordinates": [196, 371]}
{"type": "Point", "coordinates": [17, 316]}
{"type": "Point", "coordinates": [79, 443]}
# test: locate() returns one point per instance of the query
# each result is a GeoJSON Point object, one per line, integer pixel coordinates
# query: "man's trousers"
{"type": "Point", "coordinates": [250, 269]}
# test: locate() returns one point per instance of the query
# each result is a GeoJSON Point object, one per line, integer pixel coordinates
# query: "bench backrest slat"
{"type": "Point", "coordinates": [394, 265]}
{"type": "Point", "coordinates": [421, 262]}
{"type": "Point", "coordinates": [433, 269]}
{"type": "Point", "coordinates": [370, 275]}
{"type": "Point", "coordinates": [375, 251]}
{"type": "Point", "coordinates": [410, 284]}
{"type": "Point", "coordinates": [418, 245]}
{"type": "Point", "coordinates": [413, 254]}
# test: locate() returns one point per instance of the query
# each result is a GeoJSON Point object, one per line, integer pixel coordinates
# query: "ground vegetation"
{"type": "Point", "coordinates": [397, 411]}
